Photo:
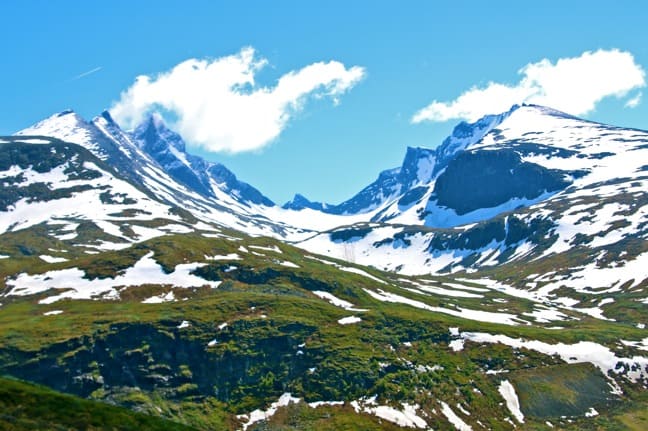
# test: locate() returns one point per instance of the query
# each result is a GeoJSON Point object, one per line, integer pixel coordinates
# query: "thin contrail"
{"type": "Point", "coordinates": [89, 72]}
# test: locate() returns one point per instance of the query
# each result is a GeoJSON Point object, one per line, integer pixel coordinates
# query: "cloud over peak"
{"type": "Point", "coordinates": [220, 107]}
{"type": "Point", "coordinates": [574, 85]}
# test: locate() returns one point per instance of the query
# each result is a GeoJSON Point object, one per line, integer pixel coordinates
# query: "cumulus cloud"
{"type": "Point", "coordinates": [574, 85]}
{"type": "Point", "coordinates": [218, 105]}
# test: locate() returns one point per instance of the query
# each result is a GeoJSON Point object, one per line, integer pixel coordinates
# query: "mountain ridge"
{"type": "Point", "coordinates": [125, 279]}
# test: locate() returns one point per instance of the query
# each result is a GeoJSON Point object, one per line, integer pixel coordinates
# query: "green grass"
{"type": "Point", "coordinates": [561, 390]}
{"type": "Point", "coordinates": [25, 406]}
{"type": "Point", "coordinates": [133, 354]}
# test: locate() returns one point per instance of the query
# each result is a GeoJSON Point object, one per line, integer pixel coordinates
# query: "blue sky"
{"type": "Point", "coordinates": [411, 53]}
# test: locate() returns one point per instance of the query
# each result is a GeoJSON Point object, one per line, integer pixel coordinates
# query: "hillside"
{"type": "Point", "coordinates": [496, 282]}
{"type": "Point", "coordinates": [29, 407]}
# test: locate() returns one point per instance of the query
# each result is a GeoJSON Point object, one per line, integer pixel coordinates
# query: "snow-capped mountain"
{"type": "Point", "coordinates": [169, 150]}
{"type": "Point", "coordinates": [69, 194]}
{"type": "Point", "coordinates": [419, 167]}
{"type": "Point", "coordinates": [506, 188]}
{"type": "Point", "coordinates": [538, 185]}
{"type": "Point", "coordinates": [515, 224]}
{"type": "Point", "coordinates": [153, 158]}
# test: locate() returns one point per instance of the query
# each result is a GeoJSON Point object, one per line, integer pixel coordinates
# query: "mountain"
{"type": "Point", "coordinates": [228, 331]}
{"type": "Point", "coordinates": [418, 168]}
{"type": "Point", "coordinates": [518, 194]}
{"type": "Point", "coordinates": [496, 282]}
{"type": "Point", "coordinates": [209, 179]}
{"type": "Point", "coordinates": [299, 202]}
{"type": "Point", "coordinates": [153, 159]}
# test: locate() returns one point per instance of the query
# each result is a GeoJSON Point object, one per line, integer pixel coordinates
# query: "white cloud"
{"type": "Point", "coordinates": [220, 107]}
{"type": "Point", "coordinates": [635, 101]}
{"type": "Point", "coordinates": [574, 85]}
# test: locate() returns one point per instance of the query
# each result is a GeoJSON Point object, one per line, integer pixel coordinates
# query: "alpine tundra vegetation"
{"type": "Point", "coordinates": [497, 279]}
{"type": "Point", "coordinates": [136, 274]}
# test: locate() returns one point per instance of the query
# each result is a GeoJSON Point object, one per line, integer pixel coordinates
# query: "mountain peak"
{"type": "Point", "coordinates": [66, 125]}
{"type": "Point", "coordinates": [546, 110]}
{"type": "Point", "coordinates": [465, 134]}
{"type": "Point", "coordinates": [65, 112]}
{"type": "Point", "coordinates": [299, 202]}
{"type": "Point", "coordinates": [105, 116]}
{"type": "Point", "coordinates": [155, 121]}
{"type": "Point", "coordinates": [154, 129]}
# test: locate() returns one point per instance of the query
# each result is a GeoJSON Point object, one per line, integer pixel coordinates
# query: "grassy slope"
{"type": "Point", "coordinates": [178, 376]}
{"type": "Point", "coordinates": [25, 406]}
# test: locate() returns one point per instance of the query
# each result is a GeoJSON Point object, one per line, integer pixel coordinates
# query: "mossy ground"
{"type": "Point", "coordinates": [279, 338]}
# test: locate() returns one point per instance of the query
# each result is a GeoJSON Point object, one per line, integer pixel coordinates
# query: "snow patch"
{"type": "Point", "coordinates": [262, 415]}
{"type": "Point", "coordinates": [406, 417]}
{"type": "Point", "coordinates": [452, 417]}
{"type": "Point", "coordinates": [336, 301]}
{"type": "Point", "coordinates": [73, 284]}
{"type": "Point", "coordinates": [349, 320]}
{"type": "Point", "coordinates": [478, 315]}
{"type": "Point", "coordinates": [231, 256]}
{"type": "Point", "coordinates": [507, 391]}
{"type": "Point", "coordinates": [52, 259]}
{"type": "Point", "coordinates": [164, 297]}
{"type": "Point", "coordinates": [52, 313]}
{"type": "Point", "coordinates": [634, 369]}
{"type": "Point", "coordinates": [591, 413]}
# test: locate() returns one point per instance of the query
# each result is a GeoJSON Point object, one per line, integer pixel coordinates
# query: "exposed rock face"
{"type": "Point", "coordinates": [484, 179]}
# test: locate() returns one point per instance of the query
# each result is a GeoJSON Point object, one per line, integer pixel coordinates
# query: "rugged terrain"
{"type": "Point", "coordinates": [495, 282]}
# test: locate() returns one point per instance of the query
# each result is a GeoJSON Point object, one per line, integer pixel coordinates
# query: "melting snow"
{"type": "Point", "coordinates": [507, 391]}
{"type": "Point", "coordinates": [53, 313]}
{"type": "Point", "coordinates": [591, 413]}
{"type": "Point", "coordinates": [231, 256]}
{"type": "Point", "coordinates": [74, 285]}
{"type": "Point", "coordinates": [261, 415]}
{"type": "Point", "coordinates": [336, 301]}
{"type": "Point", "coordinates": [349, 320]}
{"type": "Point", "coordinates": [456, 345]}
{"type": "Point", "coordinates": [52, 259]}
{"type": "Point", "coordinates": [165, 297]}
{"type": "Point", "coordinates": [404, 418]}
{"type": "Point", "coordinates": [600, 356]}
{"type": "Point", "coordinates": [316, 404]}
{"type": "Point", "coordinates": [453, 418]}
{"type": "Point", "coordinates": [360, 272]}
{"type": "Point", "coordinates": [478, 315]}
{"type": "Point", "coordinates": [272, 248]}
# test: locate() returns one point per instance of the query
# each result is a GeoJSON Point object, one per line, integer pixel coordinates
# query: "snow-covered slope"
{"type": "Point", "coordinates": [526, 184]}
{"type": "Point", "coordinates": [153, 158]}
{"type": "Point", "coordinates": [77, 198]}
{"type": "Point", "coordinates": [417, 168]}
{"type": "Point", "coordinates": [541, 185]}
{"type": "Point", "coordinates": [406, 184]}
{"type": "Point", "coordinates": [209, 179]}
